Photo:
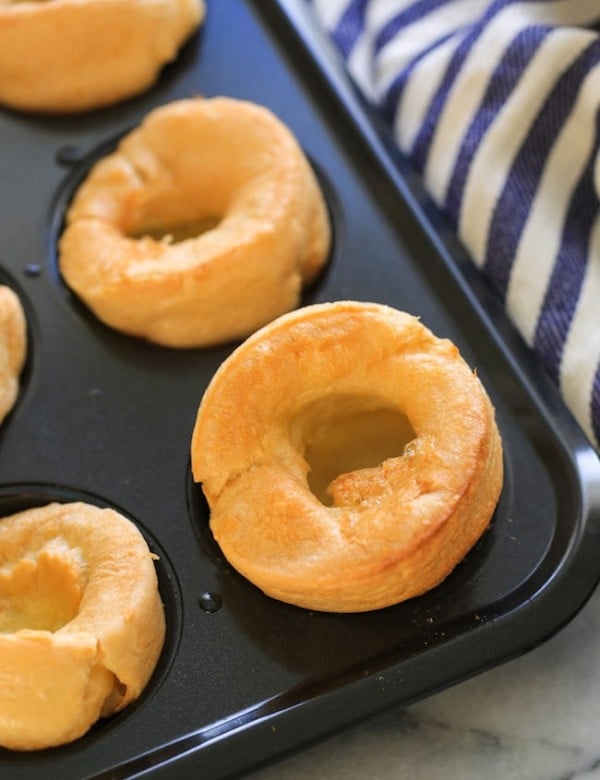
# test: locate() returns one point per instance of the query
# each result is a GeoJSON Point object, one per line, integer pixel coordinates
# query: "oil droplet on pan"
{"type": "Point", "coordinates": [69, 154]}
{"type": "Point", "coordinates": [210, 602]}
{"type": "Point", "coordinates": [32, 270]}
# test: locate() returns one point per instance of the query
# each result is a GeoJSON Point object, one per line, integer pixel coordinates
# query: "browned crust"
{"type": "Point", "coordinates": [57, 681]}
{"type": "Point", "coordinates": [63, 56]}
{"type": "Point", "coordinates": [394, 531]}
{"type": "Point", "coordinates": [13, 348]}
{"type": "Point", "coordinates": [188, 161]}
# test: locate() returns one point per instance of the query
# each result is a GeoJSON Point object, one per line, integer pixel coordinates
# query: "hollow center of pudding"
{"type": "Point", "coordinates": [41, 590]}
{"type": "Point", "coordinates": [179, 231]}
{"type": "Point", "coordinates": [348, 438]}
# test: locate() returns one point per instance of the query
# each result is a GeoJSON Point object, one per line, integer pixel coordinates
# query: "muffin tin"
{"type": "Point", "coordinates": [108, 419]}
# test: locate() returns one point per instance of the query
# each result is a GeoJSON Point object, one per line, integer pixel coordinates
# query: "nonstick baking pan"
{"type": "Point", "coordinates": [108, 419]}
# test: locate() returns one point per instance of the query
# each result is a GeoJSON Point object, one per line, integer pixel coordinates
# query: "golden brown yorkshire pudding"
{"type": "Point", "coordinates": [13, 347]}
{"type": "Point", "coordinates": [60, 56]}
{"type": "Point", "coordinates": [200, 228]}
{"type": "Point", "coordinates": [81, 621]}
{"type": "Point", "coordinates": [420, 483]}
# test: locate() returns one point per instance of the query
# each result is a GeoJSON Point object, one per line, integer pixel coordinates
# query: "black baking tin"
{"type": "Point", "coordinates": [107, 418]}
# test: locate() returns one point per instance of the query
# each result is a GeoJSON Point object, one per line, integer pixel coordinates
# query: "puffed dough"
{"type": "Point", "coordinates": [228, 164]}
{"type": "Point", "coordinates": [60, 56]}
{"type": "Point", "coordinates": [395, 529]}
{"type": "Point", "coordinates": [81, 621]}
{"type": "Point", "coordinates": [13, 348]}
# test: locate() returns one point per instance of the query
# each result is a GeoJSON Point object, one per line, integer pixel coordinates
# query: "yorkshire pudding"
{"type": "Point", "coordinates": [81, 621]}
{"type": "Point", "coordinates": [60, 56]}
{"type": "Point", "coordinates": [201, 227]}
{"type": "Point", "coordinates": [393, 528]}
{"type": "Point", "coordinates": [13, 346]}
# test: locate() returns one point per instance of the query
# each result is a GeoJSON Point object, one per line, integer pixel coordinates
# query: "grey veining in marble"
{"type": "Point", "coordinates": [534, 718]}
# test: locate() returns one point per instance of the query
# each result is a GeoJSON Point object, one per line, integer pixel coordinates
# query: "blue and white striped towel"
{"type": "Point", "coordinates": [497, 103]}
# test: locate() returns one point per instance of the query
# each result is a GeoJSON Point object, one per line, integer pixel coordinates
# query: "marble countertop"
{"type": "Point", "coordinates": [533, 718]}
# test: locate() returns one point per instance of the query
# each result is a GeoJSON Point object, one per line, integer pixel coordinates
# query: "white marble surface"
{"type": "Point", "coordinates": [534, 718]}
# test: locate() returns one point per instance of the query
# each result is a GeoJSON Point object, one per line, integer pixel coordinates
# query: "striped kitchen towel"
{"type": "Point", "coordinates": [497, 104]}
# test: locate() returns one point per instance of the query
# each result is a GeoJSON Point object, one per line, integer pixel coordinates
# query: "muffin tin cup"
{"type": "Point", "coordinates": [107, 418]}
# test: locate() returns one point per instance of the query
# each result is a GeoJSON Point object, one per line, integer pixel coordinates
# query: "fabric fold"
{"type": "Point", "coordinates": [497, 104]}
